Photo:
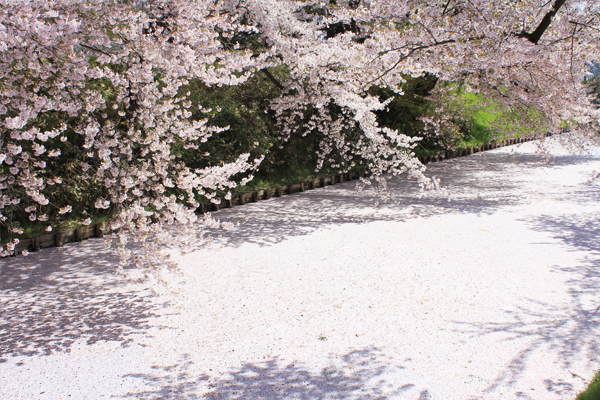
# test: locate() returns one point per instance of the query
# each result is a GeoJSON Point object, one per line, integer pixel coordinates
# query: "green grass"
{"type": "Point", "coordinates": [593, 390]}
{"type": "Point", "coordinates": [490, 121]}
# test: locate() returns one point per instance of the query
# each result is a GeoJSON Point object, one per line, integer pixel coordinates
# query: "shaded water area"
{"type": "Point", "coordinates": [326, 295]}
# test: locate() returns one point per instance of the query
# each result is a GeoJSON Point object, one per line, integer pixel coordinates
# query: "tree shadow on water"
{"type": "Point", "coordinates": [569, 329]}
{"type": "Point", "coordinates": [482, 183]}
{"type": "Point", "coordinates": [358, 375]}
{"type": "Point", "coordinates": [581, 232]}
{"type": "Point", "coordinates": [55, 297]}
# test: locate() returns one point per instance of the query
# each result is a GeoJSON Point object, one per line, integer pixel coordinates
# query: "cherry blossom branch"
{"type": "Point", "coordinates": [272, 78]}
{"type": "Point", "coordinates": [586, 25]}
{"type": "Point", "coordinates": [404, 57]}
{"type": "Point", "coordinates": [446, 7]}
{"type": "Point", "coordinates": [536, 35]}
{"type": "Point", "coordinates": [94, 49]}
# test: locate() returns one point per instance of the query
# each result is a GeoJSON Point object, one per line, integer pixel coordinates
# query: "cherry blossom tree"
{"type": "Point", "coordinates": [109, 81]}
{"type": "Point", "coordinates": [524, 54]}
{"type": "Point", "coordinates": [111, 76]}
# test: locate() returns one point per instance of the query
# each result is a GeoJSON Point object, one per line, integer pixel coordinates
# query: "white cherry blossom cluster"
{"type": "Point", "coordinates": [526, 55]}
{"type": "Point", "coordinates": [109, 78]}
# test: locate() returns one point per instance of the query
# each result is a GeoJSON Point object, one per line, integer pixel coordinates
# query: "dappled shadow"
{"type": "Point", "coordinates": [571, 330]}
{"type": "Point", "coordinates": [580, 232]}
{"type": "Point", "coordinates": [482, 183]}
{"type": "Point", "coordinates": [356, 375]}
{"type": "Point", "coordinates": [55, 297]}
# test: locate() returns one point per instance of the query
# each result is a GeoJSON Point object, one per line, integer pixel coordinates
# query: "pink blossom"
{"type": "Point", "coordinates": [15, 123]}
{"type": "Point", "coordinates": [14, 149]}
{"type": "Point", "coordinates": [484, 45]}
{"type": "Point", "coordinates": [65, 210]}
{"type": "Point", "coordinates": [101, 203]}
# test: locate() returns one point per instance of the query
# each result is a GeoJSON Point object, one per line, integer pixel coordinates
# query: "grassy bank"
{"type": "Point", "coordinates": [593, 390]}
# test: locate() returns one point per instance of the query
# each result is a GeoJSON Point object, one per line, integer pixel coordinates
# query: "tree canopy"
{"type": "Point", "coordinates": [101, 93]}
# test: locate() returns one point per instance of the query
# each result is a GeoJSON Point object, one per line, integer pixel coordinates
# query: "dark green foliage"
{"type": "Point", "coordinates": [594, 85]}
{"type": "Point", "coordinates": [252, 128]}
{"type": "Point", "coordinates": [404, 113]}
{"type": "Point", "coordinates": [66, 185]}
{"type": "Point", "coordinates": [242, 109]}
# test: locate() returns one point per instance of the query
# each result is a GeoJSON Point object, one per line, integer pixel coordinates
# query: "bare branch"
{"type": "Point", "coordinates": [413, 50]}
{"type": "Point", "coordinates": [93, 49]}
{"type": "Point", "coordinates": [446, 7]}
{"type": "Point", "coordinates": [585, 25]}
{"type": "Point", "coordinates": [428, 31]}
{"type": "Point", "coordinates": [272, 78]}
{"type": "Point", "coordinates": [572, 49]}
